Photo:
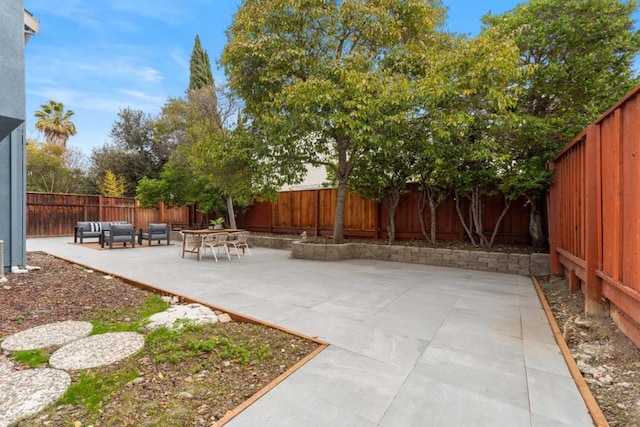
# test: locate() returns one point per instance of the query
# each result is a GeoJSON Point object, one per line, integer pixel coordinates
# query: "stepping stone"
{"type": "Point", "coordinates": [196, 313]}
{"type": "Point", "coordinates": [43, 336]}
{"type": "Point", "coordinates": [96, 350]}
{"type": "Point", "coordinates": [28, 392]}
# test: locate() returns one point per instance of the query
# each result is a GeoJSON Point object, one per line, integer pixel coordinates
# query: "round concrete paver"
{"type": "Point", "coordinates": [97, 350]}
{"type": "Point", "coordinates": [196, 313]}
{"type": "Point", "coordinates": [27, 392]}
{"type": "Point", "coordinates": [43, 336]}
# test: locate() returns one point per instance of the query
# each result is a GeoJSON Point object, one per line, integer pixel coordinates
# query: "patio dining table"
{"type": "Point", "coordinates": [199, 235]}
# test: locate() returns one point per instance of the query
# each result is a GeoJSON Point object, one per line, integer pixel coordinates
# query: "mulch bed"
{"type": "Point", "coordinates": [196, 391]}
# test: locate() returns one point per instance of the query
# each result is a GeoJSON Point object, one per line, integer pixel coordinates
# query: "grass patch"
{"type": "Point", "coordinates": [196, 340]}
{"type": "Point", "coordinates": [31, 358]}
{"type": "Point", "coordinates": [92, 389]}
{"type": "Point", "coordinates": [128, 320]}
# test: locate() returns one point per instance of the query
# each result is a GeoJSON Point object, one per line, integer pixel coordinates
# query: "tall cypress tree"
{"type": "Point", "coordinates": [202, 88]}
{"type": "Point", "coordinates": [199, 67]}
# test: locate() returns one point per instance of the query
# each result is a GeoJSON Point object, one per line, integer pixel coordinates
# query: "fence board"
{"type": "Point", "coordinates": [630, 195]}
{"type": "Point", "coordinates": [611, 248]}
{"type": "Point", "coordinates": [294, 212]}
{"type": "Point", "coordinates": [311, 210]}
{"type": "Point", "coordinates": [52, 214]}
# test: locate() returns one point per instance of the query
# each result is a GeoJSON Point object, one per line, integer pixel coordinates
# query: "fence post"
{"type": "Point", "coordinates": [595, 304]}
{"type": "Point", "coordinates": [554, 223]}
{"type": "Point", "coordinates": [316, 213]}
{"type": "Point", "coordinates": [270, 217]}
{"type": "Point", "coordinates": [161, 212]}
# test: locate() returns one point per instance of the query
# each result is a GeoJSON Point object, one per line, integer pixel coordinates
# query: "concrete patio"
{"type": "Point", "coordinates": [411, 345]}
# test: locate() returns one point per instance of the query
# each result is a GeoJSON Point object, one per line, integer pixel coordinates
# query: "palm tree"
{"type": "Point", "coordinates": [54, 122]}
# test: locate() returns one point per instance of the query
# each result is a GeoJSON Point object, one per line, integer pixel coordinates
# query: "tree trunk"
{"type": "Point", "coordinates": [476, 215]}
{"type": "Point", "coordinates": [338, 225]}
{"type": "Point", "coordinates": [422, 203]}
{"type": "Point", "coordinates": [342, 171]}
{"type": "Point", "coordinates": [394, 199]}
{"type": "Point", "coordinates": [232, 214]}
{"type": "Point", "coordinates": [507, 204]}
{"type": "Point", "coordinates": [462, 221]}
{"type": "Point", "coordinates": [536, 231]}
{"type": "Point", "coordinates": [433, 206]}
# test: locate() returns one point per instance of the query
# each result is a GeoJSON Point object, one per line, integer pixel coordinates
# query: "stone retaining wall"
{"type": "Point", "coordinates": [270, 242]}
{"type": "Point", "coordinates": [522, 264]}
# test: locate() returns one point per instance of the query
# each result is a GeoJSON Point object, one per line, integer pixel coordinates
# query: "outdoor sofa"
{"type": "Point", "coordinates": [92, 229]}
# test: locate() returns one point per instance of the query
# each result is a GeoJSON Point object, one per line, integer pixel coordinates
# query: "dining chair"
{"type": "Point", "coordinates": [238, 240]}
{"type": "Point", "coordinates": [216, 242]}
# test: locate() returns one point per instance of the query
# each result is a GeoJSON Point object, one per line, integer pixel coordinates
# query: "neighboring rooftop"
{"type": "Point", "coordinates": [31, 25]}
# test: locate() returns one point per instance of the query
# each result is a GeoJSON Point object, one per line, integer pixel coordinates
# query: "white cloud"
{"type": "Point", "coordinates": [179, 58]}
{"type": "Point", "coordinates": [105, 102]}
{"type": "Point", "coordinates": [78, 11]}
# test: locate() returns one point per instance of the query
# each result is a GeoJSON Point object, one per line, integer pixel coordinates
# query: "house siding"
{"type": "Point", "coordinates": [12, 142]}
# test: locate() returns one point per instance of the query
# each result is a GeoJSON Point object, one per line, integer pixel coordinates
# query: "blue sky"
{"type": "Point", "coordinates": [97, 57]}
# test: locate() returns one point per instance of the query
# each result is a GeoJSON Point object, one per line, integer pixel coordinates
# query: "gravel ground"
{"type": "Point", "coordinates": [608, 360]}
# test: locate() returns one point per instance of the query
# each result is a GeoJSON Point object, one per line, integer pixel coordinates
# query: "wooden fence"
{"type": "Point", "coordinates": [294, 212]}
{"type": "Point", "coordinates": [595, 215]}
{"type": "Point", "coordinates": [313, 211]}
{"type": "Point", "coordinates": [52, 214]}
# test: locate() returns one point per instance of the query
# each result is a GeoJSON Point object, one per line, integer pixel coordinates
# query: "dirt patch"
{"type": "Point", "coordinates": [608, 360]}
{"type": "Point", "coordinates": [223, 364]}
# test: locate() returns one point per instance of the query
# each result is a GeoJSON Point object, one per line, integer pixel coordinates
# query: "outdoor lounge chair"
{"type": "Point", "coordinates": [120, 233]}
{"type": "Point", "coordinates": [157, 232]}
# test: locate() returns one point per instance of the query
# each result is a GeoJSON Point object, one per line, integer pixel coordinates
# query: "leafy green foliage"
{"type": "Point", "coordinates": [210, 161]}
{"type": "Point", "coordinates": [112, 185]}
{"type": "Point", "coordinates": [580, 54]}
{"type": "Point", "coordinates": [133, 153]}
{"type": "Point", "coordinates": [53, 168]}
{"type": "Point", "coordinates": [313, 78]}
{"type": "Point", "coordinates": [55, 123]}
{"type": "Point", "coordinates": [199, 67]}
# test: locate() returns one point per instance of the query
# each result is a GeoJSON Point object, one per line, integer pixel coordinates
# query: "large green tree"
{"type": "Point", "coordinates": [311, 74]}
{"type": "Point", "coordinates": [478, 110]}
{"type": "Point", "coordinates": [200, 74]}
{"type": "Point", "coordinates": [581, 53]}
{"type": "Point", "coordinates": [55, 123]}
{"type": "Point", "coordinates": [133, 152]}
{"type": "Point", "coordinates": [210, 165]}
{"type": "Point", "coordinates": [52, 168]}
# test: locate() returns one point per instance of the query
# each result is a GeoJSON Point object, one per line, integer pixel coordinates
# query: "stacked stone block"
{"type": "Point", "coordinates": [522, 264]}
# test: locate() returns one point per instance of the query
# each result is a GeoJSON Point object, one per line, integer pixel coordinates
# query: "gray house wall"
{"type": "Point", "coordinates": [12, 139]}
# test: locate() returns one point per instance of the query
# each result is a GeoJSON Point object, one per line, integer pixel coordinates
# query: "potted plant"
{"type": "Point", "coordinates": [217, 223]}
